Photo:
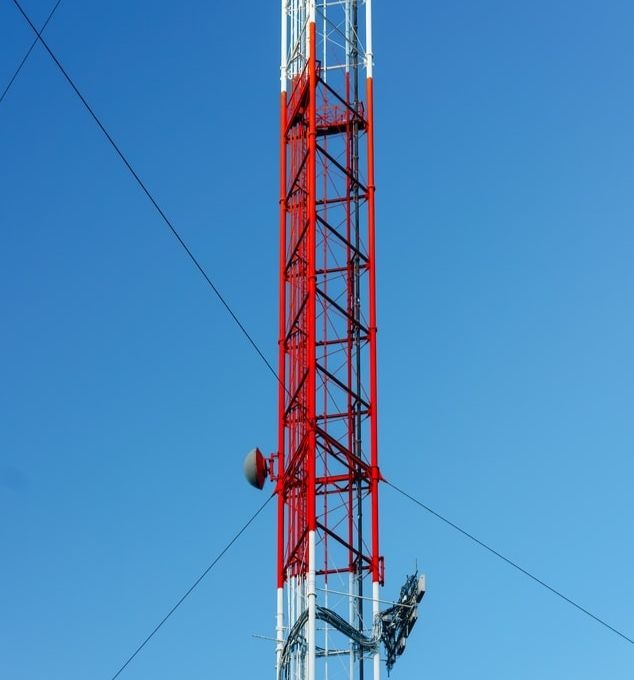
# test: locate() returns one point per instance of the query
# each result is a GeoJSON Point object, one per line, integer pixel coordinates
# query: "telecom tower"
{"type": "Point", "coordinates": [326, 468]}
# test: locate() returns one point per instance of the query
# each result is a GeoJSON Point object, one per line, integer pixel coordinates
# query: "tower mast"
{"type": "Point", "coordinates": [326, 467]}
{"type": "Point", "coordinates": [329, 568]}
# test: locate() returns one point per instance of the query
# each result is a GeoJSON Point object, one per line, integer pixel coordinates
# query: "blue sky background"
{"type": "Point", "coordinates": [505, 149]}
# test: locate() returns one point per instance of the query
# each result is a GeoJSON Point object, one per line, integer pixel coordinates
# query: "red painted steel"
{"type": "Point", "coordinates": [326, 466]}
{"type": "Point", "coordinates": [281, 346]}
{"type": "Point", "coordinates": [375, 474]}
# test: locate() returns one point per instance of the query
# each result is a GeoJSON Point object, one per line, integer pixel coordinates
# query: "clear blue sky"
{"type": "Point", "coordinates": [505, 160]}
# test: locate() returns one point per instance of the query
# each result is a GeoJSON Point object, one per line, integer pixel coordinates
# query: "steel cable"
{"type": "Point", "coordinates": [193, 586]}
{"type": "Point", "coordinates": [513, 564]}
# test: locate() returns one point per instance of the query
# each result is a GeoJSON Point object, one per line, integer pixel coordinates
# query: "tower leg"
{"type": "Point", "coordinates": [312, 606]}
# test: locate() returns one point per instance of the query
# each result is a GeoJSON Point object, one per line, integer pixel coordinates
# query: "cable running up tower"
{"type": "Point", "coordinates": [326, 469]}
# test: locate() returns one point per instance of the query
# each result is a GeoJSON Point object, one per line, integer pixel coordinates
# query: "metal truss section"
{"type": "Point", "coordinates": [326, 466]}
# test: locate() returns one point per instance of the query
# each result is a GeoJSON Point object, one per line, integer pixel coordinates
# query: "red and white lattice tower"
{"type": "Point", "coordinates": [326, 470]}
{"type": "Point", "coordinates": [329, 568]}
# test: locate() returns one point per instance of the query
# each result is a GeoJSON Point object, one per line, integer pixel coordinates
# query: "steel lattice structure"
{"type": "Point", "coordinates": [326, 467]}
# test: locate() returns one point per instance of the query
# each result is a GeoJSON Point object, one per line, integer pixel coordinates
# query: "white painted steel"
{"type": "Point", "coordinates": [283, 41]}
{"type": "Point", "coordinates": [369, 54]}
{"type": "Point", "coordinates": [311, 593]}
{"type": "Point", "coordinates": [279, 631]}
{"type": "Point", "coordinates": [375, 613]}
{"type": "Point", "coordinates": [351, 594]}
{"type": "Point", "coordinates": [324, 47]}
{"type": "Point", "coordinates": [296, 48]}
{"type": "Point", "coordinates": [347, 21]}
